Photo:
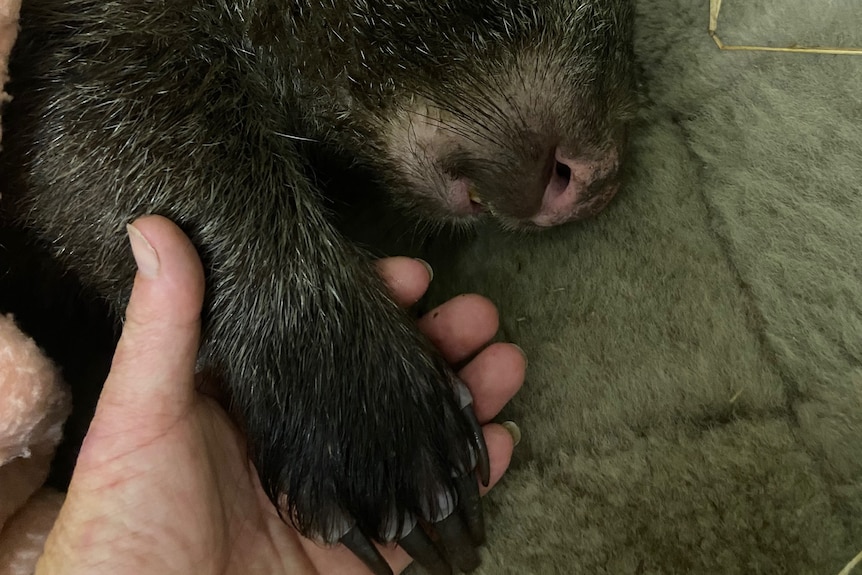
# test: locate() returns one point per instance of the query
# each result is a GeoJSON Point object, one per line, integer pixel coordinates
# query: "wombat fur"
{"type": "Point", "coordinates": [209, 112]}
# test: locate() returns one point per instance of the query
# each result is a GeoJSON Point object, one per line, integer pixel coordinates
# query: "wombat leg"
{"type": "Point", "coordinates": [357, 439]}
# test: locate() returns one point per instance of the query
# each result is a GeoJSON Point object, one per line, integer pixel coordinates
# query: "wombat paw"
{"type": "Point", "coordinates": [458, 521]}
{"type": "Point", "coordinates": [404, 471]}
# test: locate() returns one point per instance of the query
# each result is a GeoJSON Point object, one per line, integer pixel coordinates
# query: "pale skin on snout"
{"type": "Point", "coordinates": [163, 484]}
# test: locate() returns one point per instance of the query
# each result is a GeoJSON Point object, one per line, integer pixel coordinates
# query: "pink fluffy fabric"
{"type": "Point", "coordinates": [34, 404]}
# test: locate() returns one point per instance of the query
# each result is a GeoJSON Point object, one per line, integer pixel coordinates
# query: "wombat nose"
{"type": "Point", "coordinates": [577, 188]}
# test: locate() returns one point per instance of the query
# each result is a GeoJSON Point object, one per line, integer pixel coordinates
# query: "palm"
{"type": "Point", "coordinates": [180, 492]}
{"type": "Point", "coordinates": [236, 530]}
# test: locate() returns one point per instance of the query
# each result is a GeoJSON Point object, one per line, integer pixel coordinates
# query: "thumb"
{"type": "Point", "coordinates": [152, 374]}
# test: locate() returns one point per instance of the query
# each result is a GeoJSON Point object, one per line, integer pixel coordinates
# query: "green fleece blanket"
{"type": "Point", "coordinates": [693, 401]}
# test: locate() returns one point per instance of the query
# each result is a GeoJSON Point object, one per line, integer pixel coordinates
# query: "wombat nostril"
{"type": "Point", "coordinates": [558, 179]}
{"type": "Point", "coordinates": [563, 171]}
{"type": "Point", "coordinates": [557, 176]}
{"type": "Point", "coordinates": [575, 186]}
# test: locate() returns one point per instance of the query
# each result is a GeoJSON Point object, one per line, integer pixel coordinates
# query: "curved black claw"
{"type": "Point", "coordinates": [423, 551]}
{"type": "Point", "coordinates": [471, 506]}
{"type": "Point", "coordinates": [363, 548]}
{"type": "Point", "coordinates": [458, 542]}
{"type": "Point", "coordinates": [483, 460]}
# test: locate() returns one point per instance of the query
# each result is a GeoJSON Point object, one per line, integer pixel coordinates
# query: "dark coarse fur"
{"type": "Point", "coordinates": [202, 112]}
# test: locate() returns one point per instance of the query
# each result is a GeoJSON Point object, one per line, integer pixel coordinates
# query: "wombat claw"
{"type": "Point", "coordinates": [461, 528]}
{"type": "Point", "coordinates": [419, 546]}
{"type": "Point", "coordinates": [484, 462]}
{"type": "Point", "coordinates": [363, 548]}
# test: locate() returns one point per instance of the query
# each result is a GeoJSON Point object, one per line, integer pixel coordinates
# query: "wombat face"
{"type": "Point", "coordinates": [515, 108]}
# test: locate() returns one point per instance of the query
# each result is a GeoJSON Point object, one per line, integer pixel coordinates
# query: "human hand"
{"type": "Point", "coordinates": [163, 483]}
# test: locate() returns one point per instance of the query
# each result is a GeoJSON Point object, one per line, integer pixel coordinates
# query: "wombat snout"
{"type": "Point", "coordinates": [526, 144]}
{"type": "Point", "coordinates": [536, 184]}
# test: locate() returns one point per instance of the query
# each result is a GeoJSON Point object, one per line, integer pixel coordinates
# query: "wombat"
{"type": "Point", "coordinates": [208, 113]}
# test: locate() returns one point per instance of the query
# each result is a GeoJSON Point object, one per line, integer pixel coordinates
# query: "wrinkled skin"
{"type": "Point", "coordinates": [205, 111]}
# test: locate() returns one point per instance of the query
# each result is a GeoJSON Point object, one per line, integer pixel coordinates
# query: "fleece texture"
{"type": "Point", "coordinates": [693, 401]}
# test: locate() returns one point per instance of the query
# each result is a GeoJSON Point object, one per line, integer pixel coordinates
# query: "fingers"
{"type": "Point", "coordinates": [153, 369]}
{"type": "Point", "coordinates": [494, 376]}
{"type": "Point", "coordinates": [406, 278]}
{"type": "Point", "coordinates": [461, 326]}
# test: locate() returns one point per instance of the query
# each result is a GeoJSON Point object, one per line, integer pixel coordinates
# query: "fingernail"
{"type": "Point", "coordinates": [513, 430]}
{"type": "Point", "coordinates": [427, 267]}
{"type": "Point", "coordinates": [145, 256]}
{"type": "Point", "coordinates": [523, 353]}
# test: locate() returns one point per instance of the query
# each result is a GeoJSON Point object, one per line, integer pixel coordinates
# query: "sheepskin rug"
{"type": "Point", "coordinates": [693, 401]}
